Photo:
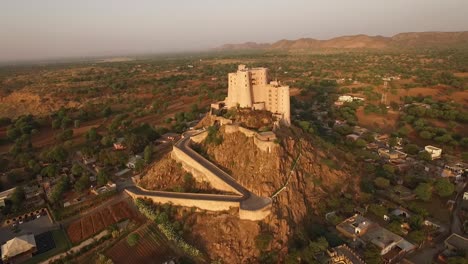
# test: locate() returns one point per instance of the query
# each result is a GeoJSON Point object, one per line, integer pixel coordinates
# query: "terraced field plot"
{"type": "Point", "coordinates": [152, 247]}
{"type": "Point", "coordinates": [89, 225]}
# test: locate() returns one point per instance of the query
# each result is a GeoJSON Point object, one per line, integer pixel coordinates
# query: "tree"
{"type": "Point", "coordinates": [372, 255]}
{"type": "Point", "coordinates": [457, 260]}
{"type": "Point", "coordinates": [424, 155]}
{"type": "Point", "coordinates": [133, 239]}
{"type": "Point", "coordinates": [424, 191]}
{"type": "Point", "coordinates": [139, 165]}
{"type": "Point", "coordinates": [381, 182]}
{"type": "Point", "coordinates": [92, 135]}
{"type": "Point", "coordinates": [395, 227]}
{"type": "Point", "coordinates": [148, 154]}
{"type": "Point", "coordinates": [314, 247]}
{"type": "Point", "coordinates": [417, 236]}
{"type": "Point", "coordinates": [56, 123]}
{"type": "Point", "coordinates": [107, 111]}
{"type": "Point", "coordinates": [82, 183]}
{"type": "Point", "coordinates": [66, 122]}
{"type": "Point", "coordinates": [102, 178]}
{"type": "Point", "coordinates": [444, 187]}
{"type": "Point", "coordinates": [65, 135]}
{"type": "Point", "coordinates": [50, 171]}
{"type": "Point", "coordinates": [59, 189]}
{"type": "Point", "coordinates": [76, 169]}
{"type": "Point", "coordinates": [426, 134]}
{"type": "Point", "coordinates": [411, 149]}
{"type": "Point", "coordinates": [13, 133]}
{"type": "Point", "coordinates": [57, 153]}
{"type": "Point", "coordinates": [388, 168]}
{"type": "Point", "coordinates": [360, 143]}
{"type": "Point", "coordinates": [102, 259]}
{"type": "Point", "coordinates": [135, 143]}
{"type": "Point", "coordinates": [17, 198]}
{"type": "Point", "coordinates": [378, 210]}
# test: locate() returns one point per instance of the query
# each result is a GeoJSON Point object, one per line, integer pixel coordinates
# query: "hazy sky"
{"type": "Point", "coordinates": [36, 29]}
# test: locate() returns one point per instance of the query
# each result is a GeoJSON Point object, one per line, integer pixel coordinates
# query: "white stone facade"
{"type": "Point", "coordinates": [252, 88]}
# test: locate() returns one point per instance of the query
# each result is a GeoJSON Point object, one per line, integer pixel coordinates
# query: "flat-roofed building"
{"type": "Point", "coordinates": [434, 151]}
{"type": "Point", "coordinates": [252, 88]}
{"type": "Point", "coordinates": [456, 242]}
{"type": "Point", "coordinates": [354, 226]}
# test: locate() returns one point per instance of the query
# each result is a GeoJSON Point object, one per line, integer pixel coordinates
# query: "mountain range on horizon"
{"type": "Point", "coordinates": [356, 42]}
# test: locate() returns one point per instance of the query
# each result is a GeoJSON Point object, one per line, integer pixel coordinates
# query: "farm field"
{"type": "Point", "coordinates": [89, 225]}
{"type": "Point", "coordinates": [152, 247]}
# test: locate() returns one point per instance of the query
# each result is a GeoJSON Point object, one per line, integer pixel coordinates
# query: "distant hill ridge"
{"type": "Point", "coordinates": [398, 41]}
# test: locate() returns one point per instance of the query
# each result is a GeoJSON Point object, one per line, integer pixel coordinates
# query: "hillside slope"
{"type": "Point", "coordinates": [265, 173]}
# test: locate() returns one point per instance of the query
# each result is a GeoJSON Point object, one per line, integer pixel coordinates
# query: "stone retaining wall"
{"type": "Point", "coordinates": [199, 172]}
{"type": "Point", "coordinates": [263, 145]}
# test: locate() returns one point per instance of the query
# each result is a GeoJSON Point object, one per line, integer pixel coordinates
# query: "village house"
{"type": "Point", "coordinates": [354, 226]}
{"type": "Point", "coordinates": [455, 244]}
{"type": "Point", "coordinates": [110, 186]}
{"type": "Point", "coordinates": [19, 249]}
{"type": "Point", "coordinates": [392, 246]}
{"type": "Point", "coordinates": [435, 152]}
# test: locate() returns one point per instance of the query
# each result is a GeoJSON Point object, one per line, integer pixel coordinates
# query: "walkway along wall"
{"type": "Point", "coordinates": [209, 205]}
{"type": "Point", "coordinates": [209, 202]}
{"type": "Point", "coordinates": [199, 172]}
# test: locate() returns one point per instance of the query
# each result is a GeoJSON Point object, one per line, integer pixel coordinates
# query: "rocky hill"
{"type": "Point", "coordinates": [403, 40]}
{"type": "Point", "coordinates": [264, 174]}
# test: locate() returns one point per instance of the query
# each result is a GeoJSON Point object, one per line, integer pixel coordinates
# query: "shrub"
{"type": "Point", "coordinates": [133, 239]}
{"type": "Point", "coordinates": [444, 187]}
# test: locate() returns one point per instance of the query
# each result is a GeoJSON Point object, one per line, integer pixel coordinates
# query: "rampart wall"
{"type": "Point", "coordinates": [199, 172]}
{"type": "Point", "coordinates": [263, 145]}
{"type": "Point", "coordinates": [209, 205]}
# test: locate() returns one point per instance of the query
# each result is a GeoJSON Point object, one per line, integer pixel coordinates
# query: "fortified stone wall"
{"type": "Point", "coordinates": [201, 204]}
{"type": "Point", "coordinates": [255, 215]}
{"type": "Point", "coordinates": [199, 172]}
{"type": "Point", "coordinates": [263, 145]}
{"type": "Point", "coordinates": [200, 137]}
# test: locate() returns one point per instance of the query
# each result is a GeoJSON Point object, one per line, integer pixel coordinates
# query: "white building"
{"type": "Point", "coordinates": [252, 88]}
{"type": "Point", "coordinates": [345, 98]}
{"type": "Point", "coordinates": [434, 151]}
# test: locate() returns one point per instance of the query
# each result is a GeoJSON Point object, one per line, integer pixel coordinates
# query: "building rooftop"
{"type": "Point", "coordinates": [343, 254]}
{"type": "Point", "coordinates": [355, 225]}
{"type": "Point", "coordinates": [381, 237]}
{"type": "Point", "coordinates": [429, 147]}
{"type": "Point", "coordinates": [457, 241]}
{"type": "Point", "coordinates": [18, 245]}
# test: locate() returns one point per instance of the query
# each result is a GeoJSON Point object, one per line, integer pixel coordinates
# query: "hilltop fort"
{"type": "Point", "coordinates": [252, 88]}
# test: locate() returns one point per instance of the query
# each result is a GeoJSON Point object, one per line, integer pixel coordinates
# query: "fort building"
{"type": "Point", "coordinates": [252, 88]}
